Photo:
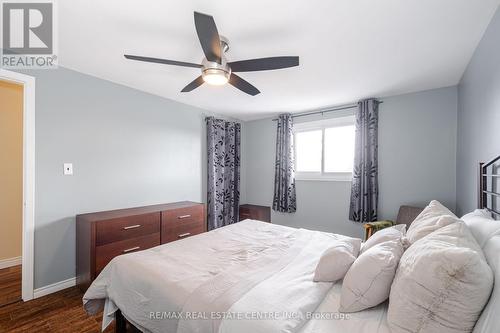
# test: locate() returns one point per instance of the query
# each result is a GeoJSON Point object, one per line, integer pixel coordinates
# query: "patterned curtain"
{"type": "Point", "coordinates": [364, 190]}
{"type": "Point", "coordinates": [223, 149]}
{"type": "Point", "coordinates": [284, 170]}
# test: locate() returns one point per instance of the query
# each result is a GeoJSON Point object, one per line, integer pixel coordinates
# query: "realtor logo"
{"type": "Point", "coordinates": [28, 35]}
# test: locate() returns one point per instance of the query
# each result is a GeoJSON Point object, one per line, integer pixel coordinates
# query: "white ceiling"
{"type": "Point", "coordinates": [349, 49]}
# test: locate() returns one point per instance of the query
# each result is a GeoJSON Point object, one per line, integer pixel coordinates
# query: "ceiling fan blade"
{"type": "Point", "coordinates": [208, 36]}
{"type": "Point", "coordinates": [243, 85]}
{"type": "Point", "coordinates": [194, 84]}
{"type": "Point", "coordinates": [263, 64]}
{"type": "Point", "coordinates": [162, 61]}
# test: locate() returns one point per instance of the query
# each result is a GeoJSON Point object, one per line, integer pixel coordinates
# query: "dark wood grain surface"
{"type": "Point", "coordinates": [255, 212]}
{"type": "Point", "coordinates": [182, 222]}
{"type": "Point", "coordinates": [118, 213]}
{"type": "Point", "coordinates": [109, 231]}
{"type": "Point", "coordinates": [10, 285]}
{"type": "Point", "coordinates": [61, 312]}
{"type": "Point", "coordinates": [105, 253]}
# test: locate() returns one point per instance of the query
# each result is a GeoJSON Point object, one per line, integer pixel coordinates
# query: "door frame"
{"type": "Point", "coordinates": [28, 83]}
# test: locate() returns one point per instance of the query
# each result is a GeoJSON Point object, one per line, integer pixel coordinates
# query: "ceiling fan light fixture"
{"type": "Point", "coordinates": [215, 70]}
{"type": "Point", "coordinates": [215, 76]}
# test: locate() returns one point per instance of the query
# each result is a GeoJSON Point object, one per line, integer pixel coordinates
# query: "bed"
{"type": "Point", "coordinates": [248, 277]}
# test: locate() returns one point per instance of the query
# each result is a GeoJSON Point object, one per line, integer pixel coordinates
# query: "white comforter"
{"type": "Point", "coordinates": [247, 277]}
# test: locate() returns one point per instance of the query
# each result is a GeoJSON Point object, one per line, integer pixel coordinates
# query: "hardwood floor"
{"type": "Point", "coordinates": [10, 285]}
{"type": "Point", "coordinates": [58, 312]}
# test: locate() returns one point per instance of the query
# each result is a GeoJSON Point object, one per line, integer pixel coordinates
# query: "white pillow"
{"type": "Point", "coordinates": [482, 225]}
{"type": "Point", "coordinates": [433, 217]}
{"type": "Point", "coordinates": [335, 262]}
{"type": "Point", "coordinates": [396, 232]}
{"type": "Point", "coordinates": [368, 281]}
{"type": "Point", "coordinates": [479, 213]}
{"type": "Point", "coordinates": [442, 284]}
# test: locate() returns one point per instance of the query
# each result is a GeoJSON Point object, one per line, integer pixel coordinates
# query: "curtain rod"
{"type": "Point", "coordinates": [345, 107]}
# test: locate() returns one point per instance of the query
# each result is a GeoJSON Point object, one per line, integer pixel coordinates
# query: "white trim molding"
{"type": "Point", "coordinates": [325, 177]}
{"type": "Point", "coordinates": [10, 262]}
{"type": "Point", "coordinates": [54, 287]}
{"type": "Point", "coordinates": [28, 83]}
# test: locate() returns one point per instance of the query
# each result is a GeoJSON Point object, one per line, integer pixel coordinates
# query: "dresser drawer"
{"type": "Point", "coordinates": [184, 215]}
{"type": "Point", "coordinates": [114, 230]}
{"type": "Point", "coordinates": [180, 231]}
{"type": "Point", "coordinates": [104, 253]}
{"type": "Point", "coordinates": [182, 222]}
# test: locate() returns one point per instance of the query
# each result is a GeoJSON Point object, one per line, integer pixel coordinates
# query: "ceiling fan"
{"type": "Point", "coordinates": [215, 69]}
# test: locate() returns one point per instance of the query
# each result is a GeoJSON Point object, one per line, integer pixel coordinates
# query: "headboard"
{"type": "Point", "coordinates": [489, 198]}
{"type": "Point", "coordinates": [489, 179]}
{"type": "Point", "coordinates": [407, 214]}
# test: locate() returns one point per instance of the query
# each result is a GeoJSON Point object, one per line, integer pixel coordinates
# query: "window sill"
{"type": "Point", "coordinates": [324, 177]}
{"type": "Point", "coordinates": [339, 179]}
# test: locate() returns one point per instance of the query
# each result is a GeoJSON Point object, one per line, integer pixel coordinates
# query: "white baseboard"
{"type": "Point", "coordinates": [5, 263]}
{"type": "Point", "coordinates": [55, 287]}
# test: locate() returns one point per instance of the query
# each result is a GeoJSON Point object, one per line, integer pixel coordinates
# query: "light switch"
{"type": "Point", "coordinates": [68, 169]}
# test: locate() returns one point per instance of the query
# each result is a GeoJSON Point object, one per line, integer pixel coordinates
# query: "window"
{"type": "Point", "coordinates": [324, 150]}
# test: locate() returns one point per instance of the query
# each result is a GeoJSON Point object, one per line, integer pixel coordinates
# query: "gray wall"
{"type": "Point", "coordinates": [128, 148]}
{"type": "Point", "coordinates": [417, 150]}
{"type": "Point", "coordinates": [478, 115]}
{"type": "Point", "coordinates": [417, 155]}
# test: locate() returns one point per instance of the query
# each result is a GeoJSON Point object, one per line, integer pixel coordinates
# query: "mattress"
{"type": "Point", "coordinates": [246, 277]}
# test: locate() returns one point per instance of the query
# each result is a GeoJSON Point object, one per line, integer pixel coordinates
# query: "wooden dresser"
{"type": "Point", "coordinates": [254, 212]}
{"type": "Point", "coordinates": [104, 235]}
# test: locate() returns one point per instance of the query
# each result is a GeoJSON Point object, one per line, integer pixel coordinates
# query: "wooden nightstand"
{"type": "Point", "coordinates": [255, 212]}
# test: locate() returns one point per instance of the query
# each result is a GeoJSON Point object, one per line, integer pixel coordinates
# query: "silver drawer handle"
{"type": "Point", "coordinates": [131, 249]}
{"type": "Point", "coordinates": [183, 216]}
{"type": "Point", "coordinates": [184, 235]}
{"type": "Point", "coordinates": [132, 227]}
